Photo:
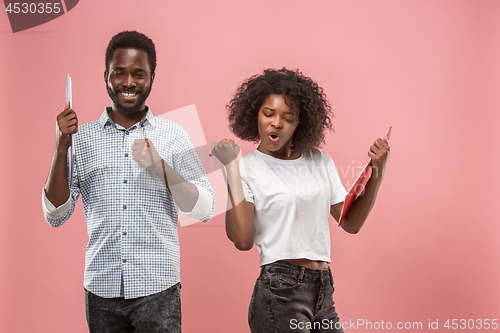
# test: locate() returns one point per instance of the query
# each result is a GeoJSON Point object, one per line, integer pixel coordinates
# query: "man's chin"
{"type": "Point", "coordinates": [129, 110]}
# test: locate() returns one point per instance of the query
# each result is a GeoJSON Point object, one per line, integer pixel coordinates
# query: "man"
{"type": "Point", "coordinates": [130, 189]}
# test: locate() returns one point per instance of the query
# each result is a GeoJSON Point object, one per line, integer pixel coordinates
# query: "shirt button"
{"type": "Point", "coordinates": [124, 206]}
{"type": "Point", "coordinates": [125, 181]}
{"type": "Point", "coordinates": [124, 233]}
{"type": "Point", "coordinates": [127, 133]}
{"type": "Point", "coordinates": [126, 154]}
{"type": "Point", "coordinates": [124, 260]}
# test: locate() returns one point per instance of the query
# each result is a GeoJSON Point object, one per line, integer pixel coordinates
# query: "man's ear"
{"type": "Point", "coordinates": [152, 78]}
{"type": "Point", "coordinates": [106, 76]}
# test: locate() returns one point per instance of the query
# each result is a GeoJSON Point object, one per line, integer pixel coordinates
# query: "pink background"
{"type": "Point", "coordinates": [431, 69]}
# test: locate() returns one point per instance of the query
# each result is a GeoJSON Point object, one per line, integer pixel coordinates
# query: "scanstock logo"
{"type": "Point", "coordinates": [28, 14]}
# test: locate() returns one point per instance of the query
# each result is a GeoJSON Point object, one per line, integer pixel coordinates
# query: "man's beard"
{"type": "Point", "coordinates": [129, 109]}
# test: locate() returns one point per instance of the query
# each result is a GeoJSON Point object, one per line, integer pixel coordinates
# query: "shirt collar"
{"type": "Point", "coordinates": [147, 120]}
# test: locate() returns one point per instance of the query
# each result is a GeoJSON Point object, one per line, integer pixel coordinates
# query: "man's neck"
{"type": "Point", "coordinates": [127, 120]}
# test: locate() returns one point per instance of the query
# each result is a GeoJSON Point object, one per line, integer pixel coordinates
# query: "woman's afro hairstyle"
{"type": "Point", "coordinates": [305, 96]}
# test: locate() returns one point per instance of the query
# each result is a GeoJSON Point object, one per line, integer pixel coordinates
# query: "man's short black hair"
{"type": "Point", "coordinates": [132, 40]}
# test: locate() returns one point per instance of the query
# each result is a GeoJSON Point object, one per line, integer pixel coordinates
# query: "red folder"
{"type": "Point", "coordinates": [359, 185]}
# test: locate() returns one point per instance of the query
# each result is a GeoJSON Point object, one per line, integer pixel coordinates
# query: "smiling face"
{"type": "Point", "coordinates": [128, 80]}
{"type": "Point", "coordinates": [276, 124]}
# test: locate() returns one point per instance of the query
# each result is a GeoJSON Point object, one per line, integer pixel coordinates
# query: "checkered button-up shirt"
{"type": "Point", "coordinates": [133, 247]}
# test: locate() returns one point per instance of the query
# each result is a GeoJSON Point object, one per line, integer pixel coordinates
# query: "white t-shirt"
{"type": "Point", "coordinates": [292, 201]}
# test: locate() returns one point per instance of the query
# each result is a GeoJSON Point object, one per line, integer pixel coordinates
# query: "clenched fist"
{"type": "Point", "coordinates": [225, 152]}
{"type": "Point", "coordinates": [379, 153]}
{"type": "Point", "coordinates": [144, 152]}
{"type": "Point", "coordinates": [66, 124]}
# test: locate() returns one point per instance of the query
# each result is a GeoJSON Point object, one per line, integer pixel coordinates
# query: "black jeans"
{"type": "Point", "coordinates": [292, 298]}
{"type": "Point", "coordinates": [159, 312]}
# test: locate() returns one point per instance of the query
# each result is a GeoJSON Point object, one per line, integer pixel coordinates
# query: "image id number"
{"type": "Point", "coordinates": [33, 8]}
{"type": "Point", "coordinates": [471, 324]}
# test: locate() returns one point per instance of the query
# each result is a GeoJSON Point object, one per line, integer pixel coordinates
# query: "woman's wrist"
{"type": "Point", "coordinates": [233, 166]}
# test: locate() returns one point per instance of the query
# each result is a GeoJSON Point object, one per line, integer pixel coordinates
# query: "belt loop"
{"type": "Point", "coordinates": [302, 272]}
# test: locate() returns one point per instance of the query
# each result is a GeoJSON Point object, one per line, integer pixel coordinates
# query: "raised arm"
{"type": "Point", "coordinates": [56, 188]}
{"type": "Point", "coordinates": [240, 226]}
{"type": "Point", "coordinates": [361, 207]}
{"type": "Point", "coordinates": [185, 193]}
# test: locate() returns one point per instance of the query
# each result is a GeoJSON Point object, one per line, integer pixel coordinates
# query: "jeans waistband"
{"type": "Point", "coordinates": [300, 272]}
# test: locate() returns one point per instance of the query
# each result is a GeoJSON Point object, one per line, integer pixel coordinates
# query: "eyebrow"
{"type": "Point", "coordinates": [138, 69]}
{"type": "Point", "coordinates": [271, 109]}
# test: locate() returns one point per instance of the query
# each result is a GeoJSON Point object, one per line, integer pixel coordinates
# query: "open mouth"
{"type": "Point", "coordinates": [273, 136]}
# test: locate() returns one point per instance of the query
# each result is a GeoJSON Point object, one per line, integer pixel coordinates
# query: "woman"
{"type": "Point", "coordinates": [281, 195]}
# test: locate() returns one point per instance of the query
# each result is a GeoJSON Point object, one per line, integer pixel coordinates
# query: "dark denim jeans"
{"type": "Point", "coordinates": [159, 312]}
{"type": "Point", "coordinates": [292, 298]}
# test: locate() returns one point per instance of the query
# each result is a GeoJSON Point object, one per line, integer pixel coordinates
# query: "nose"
{"type": "Point", "coordinates": [276, 123]}
{"type": "Point", "coordinates": [129, 81]}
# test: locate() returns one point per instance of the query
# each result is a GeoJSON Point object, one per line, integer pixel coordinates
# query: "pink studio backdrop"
{"type": "Point", "coordinates": [430, 69]}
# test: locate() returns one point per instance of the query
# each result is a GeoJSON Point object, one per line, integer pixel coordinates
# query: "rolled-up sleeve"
{"type": "Point", "coordinates": [203, 209]}
{"type": "Point", "coordinates": [55, 216]}
{"type": "Point", "coordinates": [188, 165]}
